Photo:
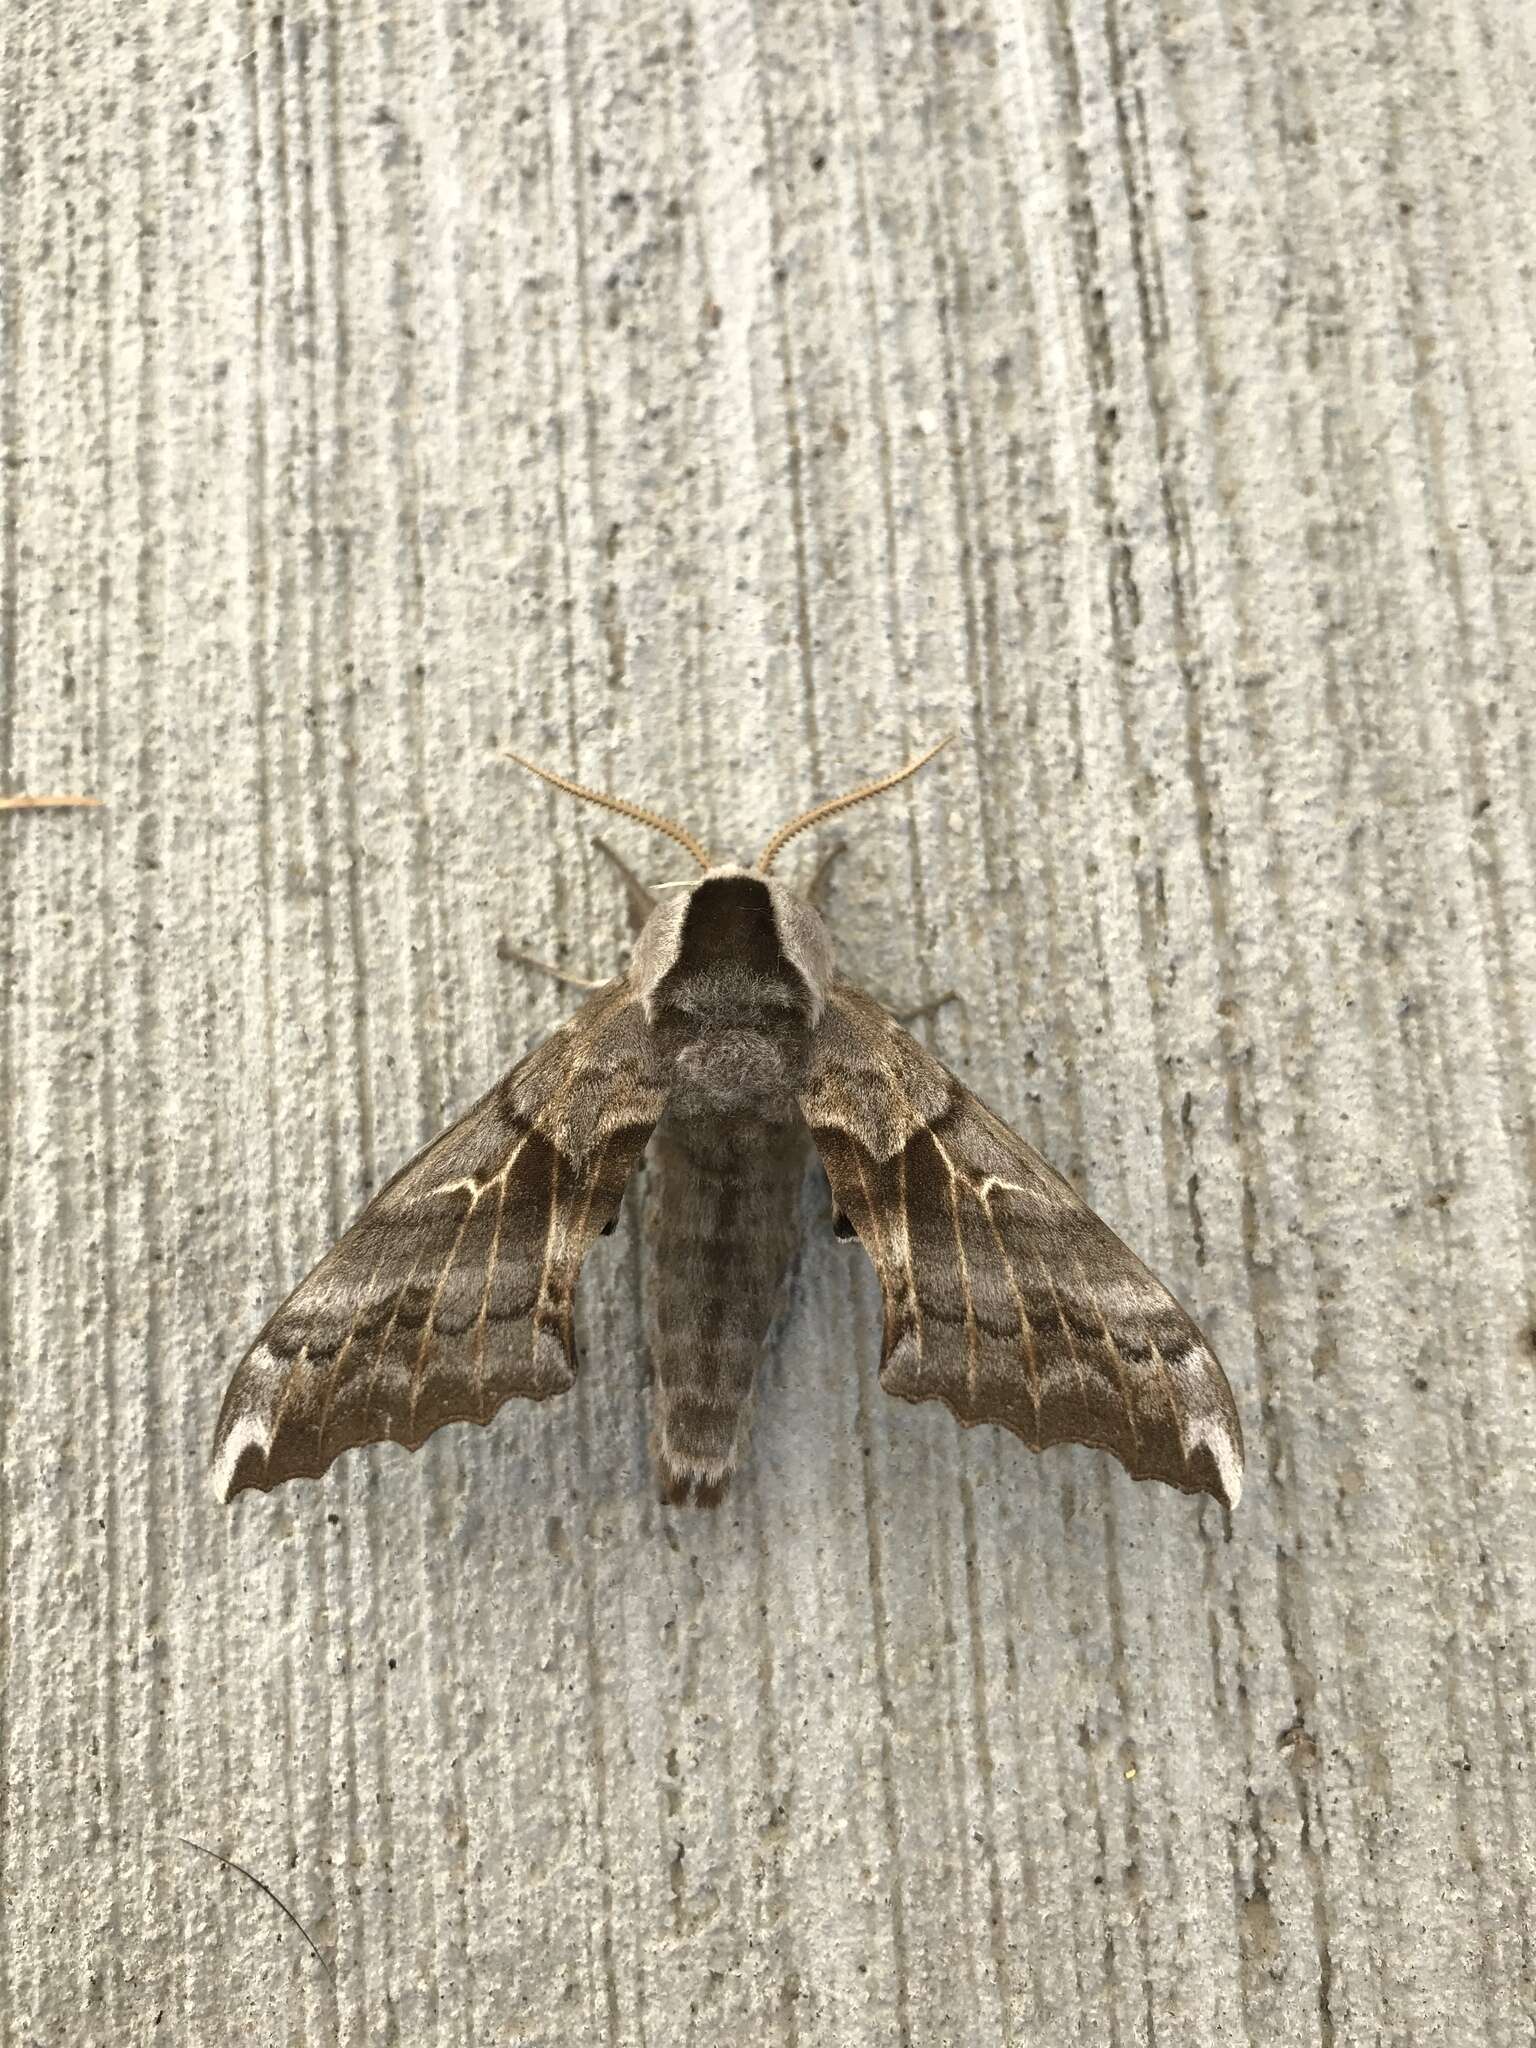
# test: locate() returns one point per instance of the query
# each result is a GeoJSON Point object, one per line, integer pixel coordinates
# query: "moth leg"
{"type": "Point", "coordinates": [816, 892]}
{"type": "Point", "coordinates": [638, 899]}
{"type": "Point", "coordinates": [927, 1009]}
{"type": "Point", "coordinates": [547, 967]}
{"type": "Point", "coordinates": [912, 1013]}
{"type": "Point", "coordinates": [640, 902]}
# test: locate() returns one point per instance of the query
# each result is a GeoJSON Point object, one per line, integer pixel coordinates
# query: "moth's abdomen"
{"type": "Point", "coordinates": [722, 1221]}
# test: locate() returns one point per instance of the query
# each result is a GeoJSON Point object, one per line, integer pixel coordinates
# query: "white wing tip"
{"type": "Point", "coordinates": [244, 1431]}
{"type": "Point", "coordinates": [1225, 1456]}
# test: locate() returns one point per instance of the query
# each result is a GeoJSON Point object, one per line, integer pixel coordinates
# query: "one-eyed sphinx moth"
{"type": "Point", "coordinates": [730, 1047]}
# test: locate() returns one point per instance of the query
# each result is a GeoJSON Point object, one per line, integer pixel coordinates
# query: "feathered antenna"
{"type": "Point", "coordinates": [807, 819]}
{"type": "Point", "coordinates": [620, 804]}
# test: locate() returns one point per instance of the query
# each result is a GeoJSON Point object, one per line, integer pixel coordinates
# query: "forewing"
{"type": "Point", "coordinates": [453, 1289]}
{"type": "Point", "coordinates": [1006, 1298]}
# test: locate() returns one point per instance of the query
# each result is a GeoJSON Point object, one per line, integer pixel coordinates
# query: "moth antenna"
{"type": "Point", "coordinates": [49, 803]}
{"type": "Point", "coordinates": [807, 819]}
{"type": "Point", "coordinates": [620, 804]}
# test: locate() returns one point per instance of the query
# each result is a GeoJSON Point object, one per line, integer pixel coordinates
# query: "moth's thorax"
{"type": "Point", "coordinates": [733, 980]}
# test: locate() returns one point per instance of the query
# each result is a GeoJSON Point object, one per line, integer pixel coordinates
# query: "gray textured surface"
{"type": "Point", "coordinates": [717, 403]}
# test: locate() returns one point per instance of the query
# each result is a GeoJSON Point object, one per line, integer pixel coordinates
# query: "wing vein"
{"type": "Point", "coordinates": [1120, 1363]}
{"type": "Point", "coordinates": [419, 1362]}
{"type": "Point", "coordinates": [485, 1296]}
{"type": "Point", "coordinates": [1026, 1327]}
{"type": "Point", "coordinates": [965, 1269]}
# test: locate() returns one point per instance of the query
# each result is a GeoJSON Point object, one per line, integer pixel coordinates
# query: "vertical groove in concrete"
{"type": "Point", "coordinates": [717, 404]}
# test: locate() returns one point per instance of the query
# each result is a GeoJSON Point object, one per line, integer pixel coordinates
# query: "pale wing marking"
{"type": "Point", "coordinates": [476, 1190]}
{"type": "Point", "coordinates": [419, 1362]}
{"type": "Point", "coordinates": [1175, 1403]}
{"type": "Point", "coordinates": [904, 1252]}
{"type": "Point", "coordinates": [389, 1330]}
{"type": "Point", "coordinates": [333, 1377]}
{"type": "Point", "coordinates": [1180, 1416]}
{"type": "Point", "coordinates": [550, 1228]}
{"type": "Point", "coordinates": [913, 1301]}
{"type": "Point", "coordinates": [1026, 1327]}
{"type": "Point", "coordinates": [290, 1380]}
{"type": "Point", "coordinates": [482, 1319]}
{"type": "Point", "coordinates": [1066, 1328]}
{"type": "Point", "coordinates": [965, 1270]}
{"type": "Point", "coordinates": [873, 1213]}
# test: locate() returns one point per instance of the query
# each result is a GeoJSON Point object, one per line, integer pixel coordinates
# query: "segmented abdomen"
{"type": "Point", "coordinates": [723, 1199]}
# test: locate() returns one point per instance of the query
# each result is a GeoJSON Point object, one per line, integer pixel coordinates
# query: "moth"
{"type": "Point", "coordinates": [729, 1049]}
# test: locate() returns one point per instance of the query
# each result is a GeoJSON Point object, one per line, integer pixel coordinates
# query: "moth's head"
{"type": "Point", "coordinates": [733, 976]}
{"type": "Point", "coordinates": [734, 927]}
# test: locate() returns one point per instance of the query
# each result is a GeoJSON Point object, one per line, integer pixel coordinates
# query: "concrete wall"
{"type": "Point", "coordinates": [718, 403]}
